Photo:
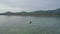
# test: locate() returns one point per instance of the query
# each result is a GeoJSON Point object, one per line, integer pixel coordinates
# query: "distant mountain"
{"type": "Point", "coordinates": [55, 12]}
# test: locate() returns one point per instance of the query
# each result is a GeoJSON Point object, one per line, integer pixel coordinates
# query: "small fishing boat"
{"type": "Point", "coordinates": [30, 22]}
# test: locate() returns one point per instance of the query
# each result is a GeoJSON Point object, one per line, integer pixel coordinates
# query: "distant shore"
{"type": "Point", "coordinates": [30, 15]}
{"type": "Point", "coordinates": [55, 12]}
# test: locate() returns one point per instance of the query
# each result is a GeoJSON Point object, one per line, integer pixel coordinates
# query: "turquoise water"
{"type": "Point", "coordinates": [20, 25]}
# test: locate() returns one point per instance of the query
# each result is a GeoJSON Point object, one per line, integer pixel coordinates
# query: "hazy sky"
{"type": "Point", "coordinates": [28, 5]}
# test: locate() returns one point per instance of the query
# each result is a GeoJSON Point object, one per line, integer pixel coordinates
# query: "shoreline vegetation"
{"type": "Point", "coordinates": [55, 12]}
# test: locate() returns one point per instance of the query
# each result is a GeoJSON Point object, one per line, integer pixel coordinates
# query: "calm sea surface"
{"type": "Point", "coordinates": [20, 25]}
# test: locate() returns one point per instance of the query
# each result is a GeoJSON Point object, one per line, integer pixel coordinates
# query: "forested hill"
{"type": "Point", "coordinates": [55, 12]}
